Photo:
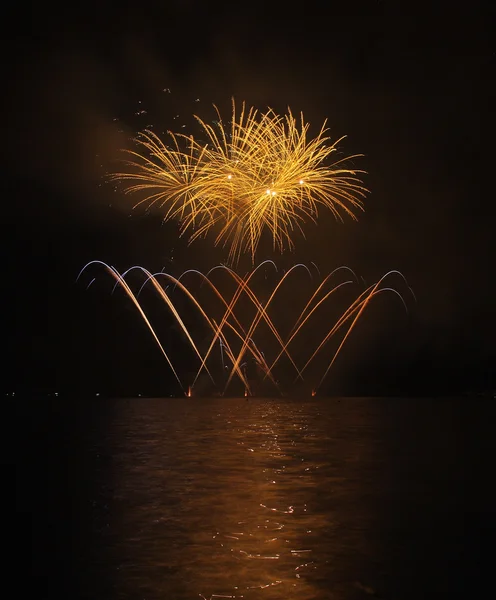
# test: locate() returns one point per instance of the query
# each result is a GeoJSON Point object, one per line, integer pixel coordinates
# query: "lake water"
{"type": "Point", "coordinates": [261, 498]}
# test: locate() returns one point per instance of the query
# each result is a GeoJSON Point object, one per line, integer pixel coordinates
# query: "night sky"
{"type": "Point", "coordinates": [411, 87]}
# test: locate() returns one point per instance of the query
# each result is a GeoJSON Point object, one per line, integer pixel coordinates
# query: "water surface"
{"type": "Point", "coordinates": [261, 498]}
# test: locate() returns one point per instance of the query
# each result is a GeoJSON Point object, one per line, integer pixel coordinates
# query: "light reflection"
{"type": "Point", "coordinates": [227, 503]}
{"type": "Point", "coordinates": [266, 548]}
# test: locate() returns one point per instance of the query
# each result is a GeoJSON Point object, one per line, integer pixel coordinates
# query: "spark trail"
{"type": "Point", "coordinates": [237, 329]}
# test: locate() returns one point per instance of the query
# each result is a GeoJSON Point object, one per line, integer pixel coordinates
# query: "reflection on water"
{"type": "Point", "coordinates": [234, 498]}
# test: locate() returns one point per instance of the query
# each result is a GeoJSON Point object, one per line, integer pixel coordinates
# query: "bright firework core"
{"type": "Point", "coordinates": [259, 172]}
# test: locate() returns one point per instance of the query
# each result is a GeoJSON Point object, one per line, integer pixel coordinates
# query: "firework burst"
{"type": "Point", "coordinates": [259, 172]}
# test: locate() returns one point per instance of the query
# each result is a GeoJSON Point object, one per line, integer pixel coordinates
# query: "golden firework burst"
{"type": "Point", "coordinates": [260, 172]}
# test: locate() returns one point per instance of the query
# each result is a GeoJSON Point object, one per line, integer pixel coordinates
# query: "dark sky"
{"type": "Point", "coordinates": [411, 86]}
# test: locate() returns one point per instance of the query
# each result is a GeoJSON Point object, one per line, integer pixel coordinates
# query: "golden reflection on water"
{"type": "Point", "coordinates": [267, 533]}
{"type": "Point", "coordinates": [230, 500]}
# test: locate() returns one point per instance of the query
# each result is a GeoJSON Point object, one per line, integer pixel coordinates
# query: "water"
{"type": "Point", "coordinates": [260, 498]}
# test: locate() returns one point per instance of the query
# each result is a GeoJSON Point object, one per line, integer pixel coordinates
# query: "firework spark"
{"type": "Point", "coordinates": [261, 171]}
{"type": "Point", "coordinates": [235, 331]}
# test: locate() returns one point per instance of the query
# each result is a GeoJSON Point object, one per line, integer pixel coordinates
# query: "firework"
{"type": "Point", "coordinates": [237, 330]}
{"type": "Point", "coordinates": [261, 171]}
